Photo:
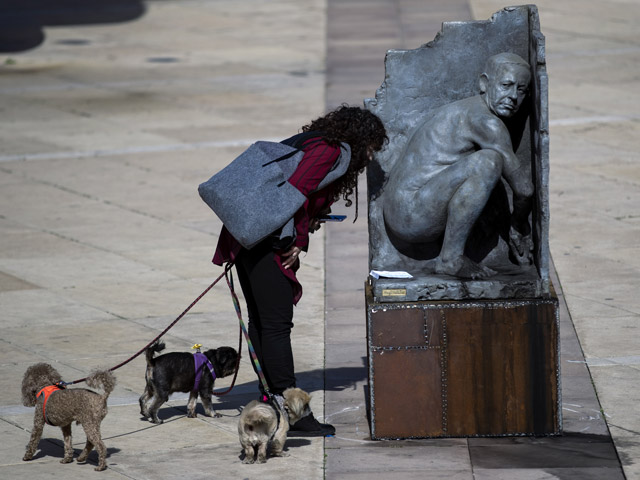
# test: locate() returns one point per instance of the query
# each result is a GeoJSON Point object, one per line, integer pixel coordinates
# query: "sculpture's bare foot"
{"type": "Point", "coordinates": [463, 267]}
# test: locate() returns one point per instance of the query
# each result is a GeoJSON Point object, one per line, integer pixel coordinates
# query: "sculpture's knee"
{"type": "Point", "coordinates": [487, 164]}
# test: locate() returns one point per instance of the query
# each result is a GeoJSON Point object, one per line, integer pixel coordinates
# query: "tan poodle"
{"type": "Point", "coordinates": [61, 407]}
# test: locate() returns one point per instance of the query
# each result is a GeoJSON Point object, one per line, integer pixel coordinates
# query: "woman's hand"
{"type": "Point", "coordinates": [314, 225]}
{"type": "Point", "coordinates": [290, 257]}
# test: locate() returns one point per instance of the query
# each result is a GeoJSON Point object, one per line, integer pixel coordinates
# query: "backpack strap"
{"type": "Point", "coordinates": [338, 169]}
{"type": "Point", "coordinates": [298, 140]}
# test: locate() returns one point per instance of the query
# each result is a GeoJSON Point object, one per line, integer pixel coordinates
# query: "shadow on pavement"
{"type": "Point", "coordinates": [54, 447]}
{"type": "Point", "coordinates": [22, 22]}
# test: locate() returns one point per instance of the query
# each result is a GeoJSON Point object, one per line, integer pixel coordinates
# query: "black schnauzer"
{"type": "Point", "coordinates": [184, 372]}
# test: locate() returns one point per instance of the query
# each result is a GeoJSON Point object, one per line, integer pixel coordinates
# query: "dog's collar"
{"type": "Point", "coordinates": [201, 360]}
{"type": "Point", "coordinates": [47, 391]}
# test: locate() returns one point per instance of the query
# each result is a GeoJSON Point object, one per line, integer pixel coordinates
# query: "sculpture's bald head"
{"type": "Point", "coordinates": [504, 83]}
{"type": "Point", "coordinates": [505, 58]}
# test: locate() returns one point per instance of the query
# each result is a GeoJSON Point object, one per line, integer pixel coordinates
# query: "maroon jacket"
{"type": "Point", "coordinates": [317, 161]}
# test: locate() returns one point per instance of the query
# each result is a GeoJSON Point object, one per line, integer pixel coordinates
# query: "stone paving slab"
{"type": "Point", "coordinates": [586, 451]}
{"type": "Point", "coordinates": [109, 127]}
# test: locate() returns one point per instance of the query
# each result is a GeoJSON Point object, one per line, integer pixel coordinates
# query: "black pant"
{"type": "Point", "coordinates": [269, 297]}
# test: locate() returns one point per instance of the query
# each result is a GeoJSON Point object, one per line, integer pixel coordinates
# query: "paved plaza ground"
{"type": "Point", "coordinates": [112, 113]}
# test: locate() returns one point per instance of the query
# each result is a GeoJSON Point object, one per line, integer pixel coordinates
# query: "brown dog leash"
{"type": "Point", "coordinates": [235, 375]}
{"type": "Point", "coordinates": [226, 269]}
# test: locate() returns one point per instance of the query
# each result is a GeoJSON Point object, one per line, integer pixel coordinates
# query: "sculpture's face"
{"type": "Point", "coordinates": [506, 88]}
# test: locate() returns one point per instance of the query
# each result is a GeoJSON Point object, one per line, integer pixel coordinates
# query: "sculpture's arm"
{"type": "Point", "coordinates": [492, 134]}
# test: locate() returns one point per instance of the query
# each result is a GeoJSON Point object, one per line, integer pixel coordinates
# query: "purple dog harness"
{"type": "Point", "coordinates": [201, 360]}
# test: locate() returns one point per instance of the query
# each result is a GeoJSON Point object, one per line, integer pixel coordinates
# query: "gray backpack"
{"type": "Point", "coordinates": [252, 196]}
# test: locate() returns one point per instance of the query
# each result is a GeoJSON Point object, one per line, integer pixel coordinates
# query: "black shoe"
{"type": "Point", "coordinates": [308, 426]}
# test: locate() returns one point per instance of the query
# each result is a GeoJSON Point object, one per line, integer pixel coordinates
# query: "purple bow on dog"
{"type": "Point", "coordinates": [201, 360]}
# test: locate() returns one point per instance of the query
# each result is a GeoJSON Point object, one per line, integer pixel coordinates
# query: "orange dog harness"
{"type": "Point", "coordinates": [47, 391]}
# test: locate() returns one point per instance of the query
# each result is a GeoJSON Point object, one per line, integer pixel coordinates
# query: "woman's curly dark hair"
{"type": "Point", "coordinates": [363, 131]}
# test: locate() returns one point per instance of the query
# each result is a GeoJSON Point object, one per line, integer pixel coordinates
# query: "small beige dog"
{"type": "Point", "coordinates": [61, 407]}
{"type": "Point", "coordinates": [260, 425]}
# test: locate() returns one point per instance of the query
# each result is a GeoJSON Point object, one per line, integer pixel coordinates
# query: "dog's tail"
{"type": "Point", "coordinates": [102, 379]}
{"type": "Point", "coordinates": [149, 352]}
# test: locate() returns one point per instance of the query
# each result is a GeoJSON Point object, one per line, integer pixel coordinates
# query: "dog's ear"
{"type": "Point", "coordinates": [224, 355]}
{"type": "Point", "coordinates": [28, 396]}
{"type": "Point", "coordinates": [296, 399]}
{"type": "Point", "coordinates": [298, 394]}
{"type": "Point", "coordinates": [35, 378]}
{"type": "Point", "coordinates": [213, 355]}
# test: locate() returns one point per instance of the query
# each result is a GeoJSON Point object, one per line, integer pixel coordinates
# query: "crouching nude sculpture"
{"type": "Point", "coordinates": [459, 198]}
{"type": "Point", "coordinates": [452, 163]}
{"type": "Point", "coordinates": [469, 344]}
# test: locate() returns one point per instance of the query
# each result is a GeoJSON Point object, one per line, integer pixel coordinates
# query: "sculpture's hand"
{"type": "Point", "coordinates": [521, 247]}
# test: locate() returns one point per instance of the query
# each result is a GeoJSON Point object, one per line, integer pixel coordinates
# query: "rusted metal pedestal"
{"type": "Point", "coordinates": [463, 368]}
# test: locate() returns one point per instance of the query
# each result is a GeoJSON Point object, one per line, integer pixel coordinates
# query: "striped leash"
{"type": "Point", "coordinates": [252, 351]}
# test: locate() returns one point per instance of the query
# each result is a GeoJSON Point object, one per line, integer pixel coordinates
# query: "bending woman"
{"type": "Point", "coordinates": [267, 271]}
